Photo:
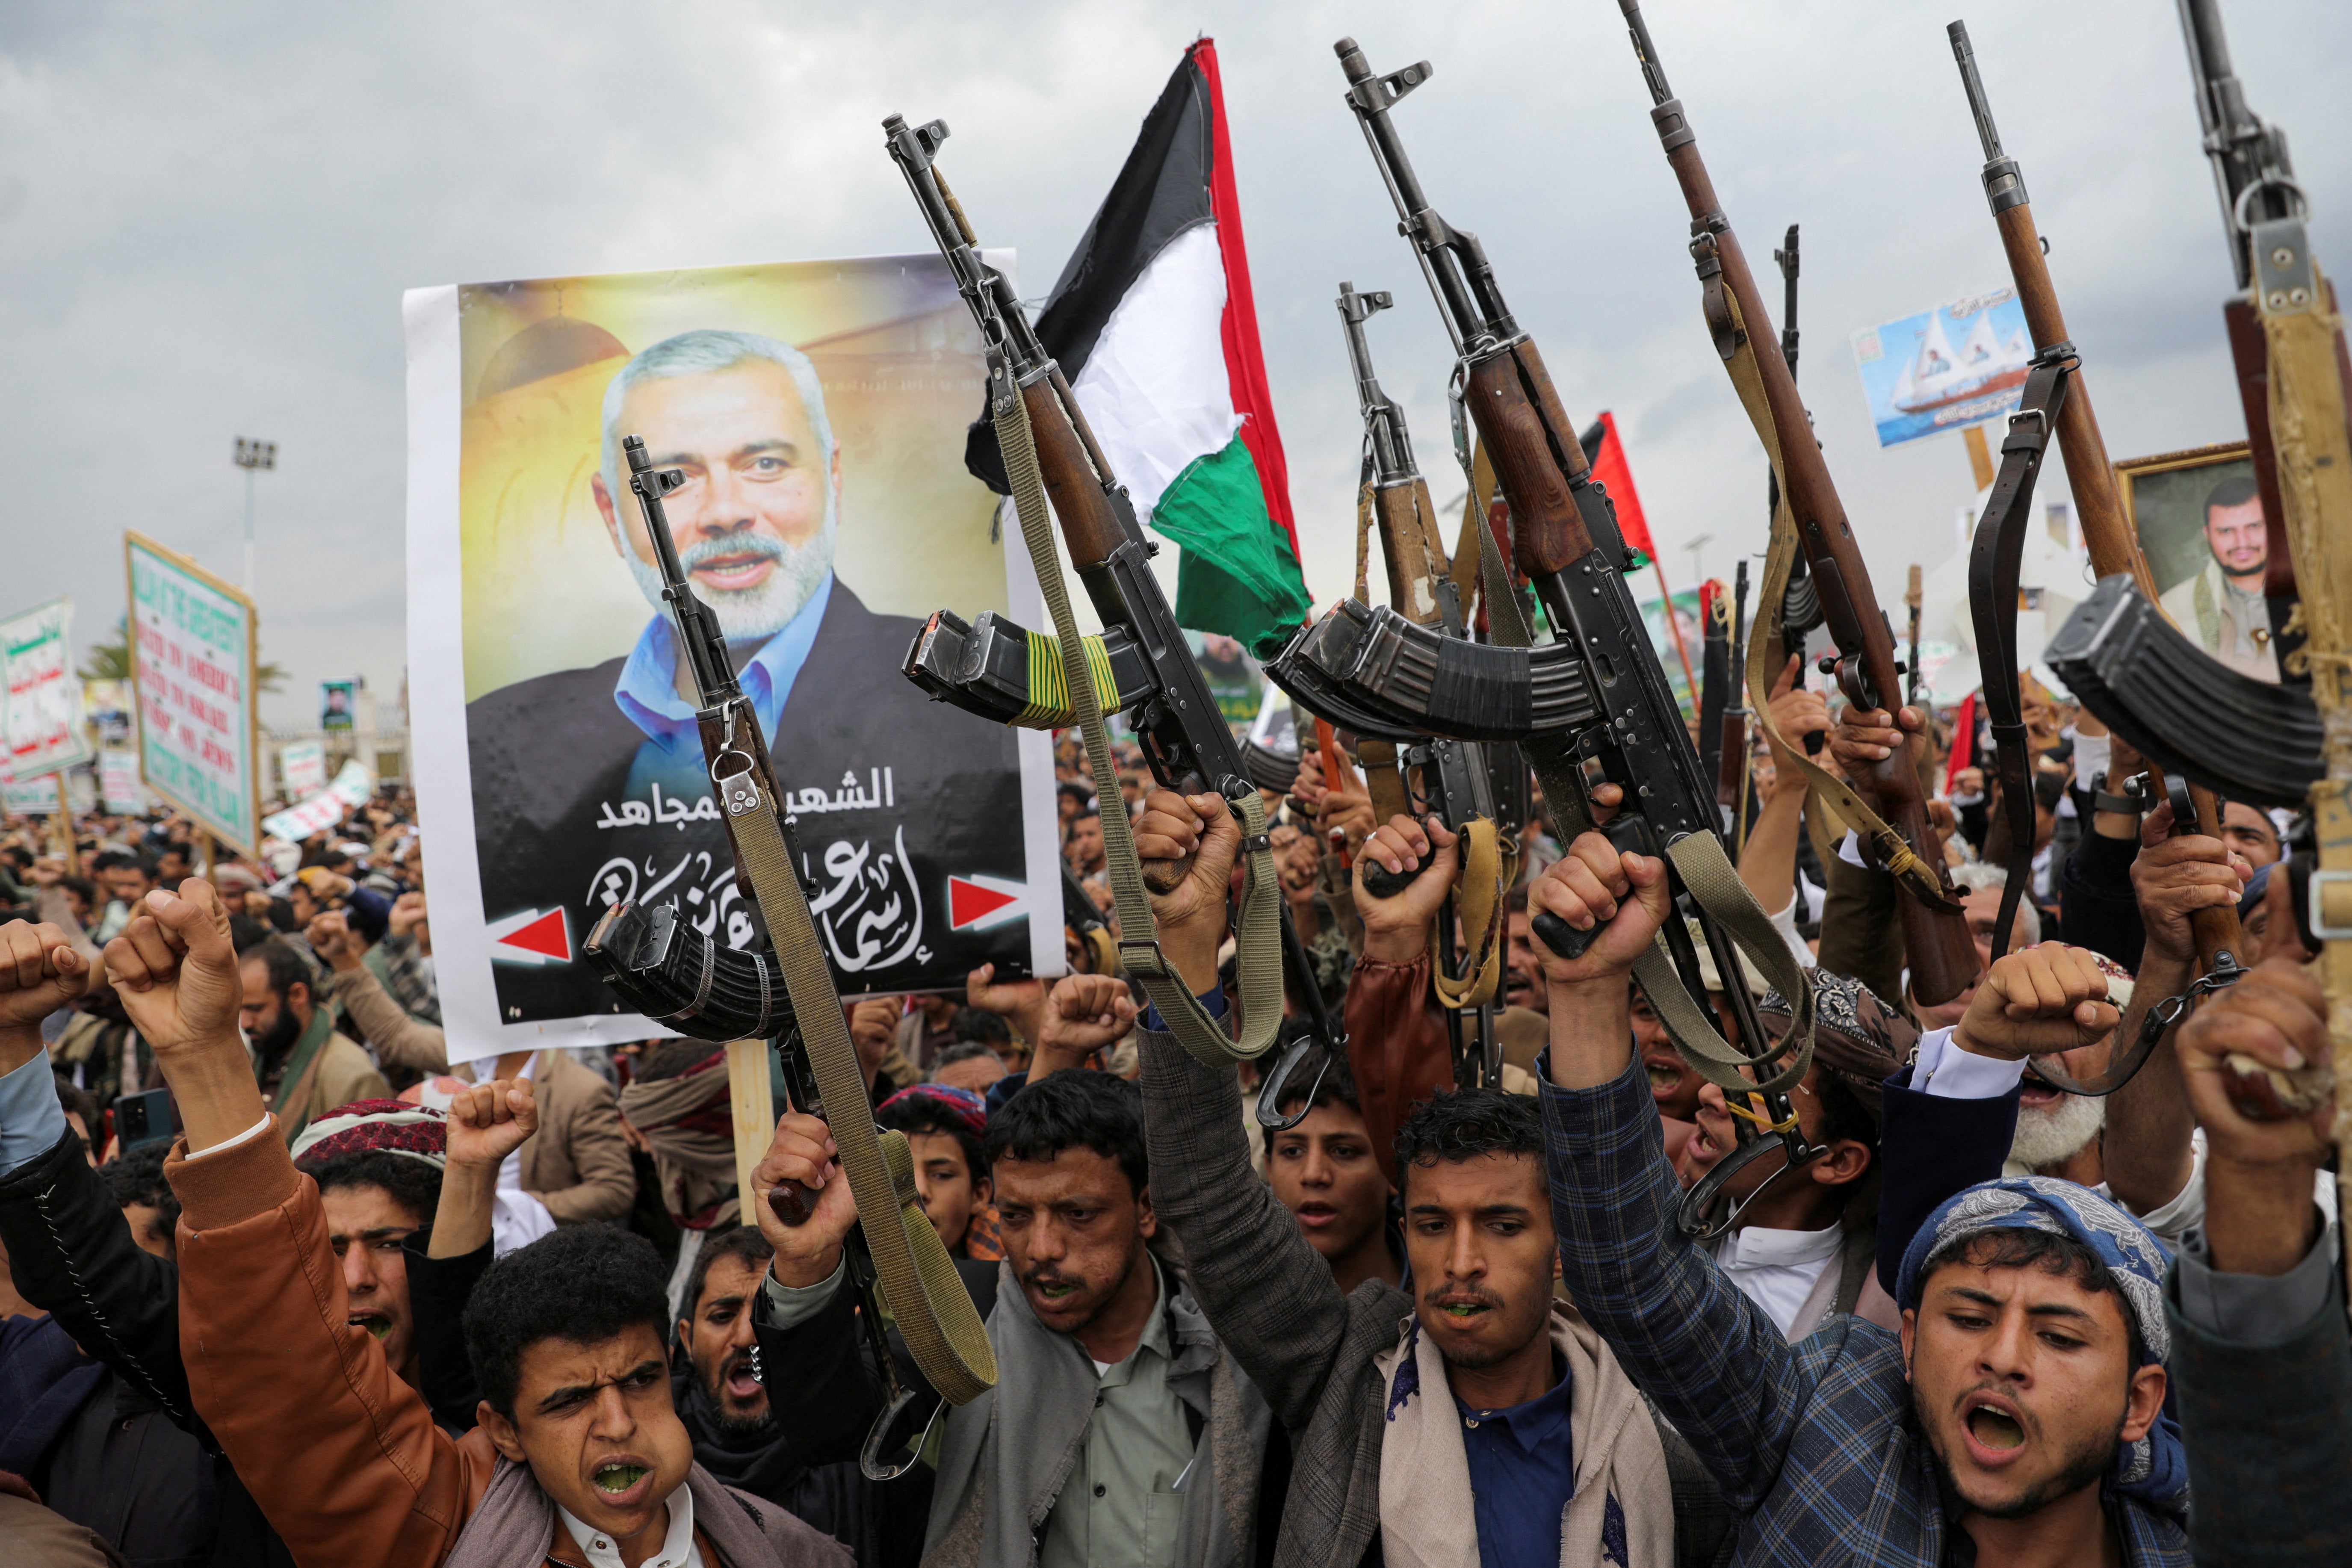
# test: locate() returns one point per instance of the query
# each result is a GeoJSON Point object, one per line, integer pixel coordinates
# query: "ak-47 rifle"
{"type": "Point", "coordinates": [2254, 179]}
{"type": "Point", "coordinates": [659, 965]}
{"type": "Point", "coordinates": [2055, 401]}
{"type": "Point", "coordinates": [1893, 824]}
{"type": "Point", "coordinates": [1591, 706]}
{"type": "Point", "coordinates": [1438, 775]}
{"type": "Point", "coordinates": [2251, 740]}
{"type": "Point", "coordinates": [1141, 665]}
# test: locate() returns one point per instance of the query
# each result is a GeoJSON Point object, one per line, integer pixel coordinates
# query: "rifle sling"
{"type": "Point", "coordinates": [1257, 935]}
{"type": "Point", "coordinates": [1994, 562]}
{"type": "Point", "coordinates": [2314, 458]}
{"type": "Point", "coordinates": [1766, 656]}
{"type": "Point", "coordinates": [927, 1300]}
{"type": "Point", "coordinates": [1705, 873]}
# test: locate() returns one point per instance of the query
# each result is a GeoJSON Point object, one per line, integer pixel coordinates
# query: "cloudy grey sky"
{"type": "Point", "coordinates": [207, 215]}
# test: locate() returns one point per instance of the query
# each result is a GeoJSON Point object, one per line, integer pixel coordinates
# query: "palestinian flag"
{"type": "Point", "coordinates": [1606, 452]}
{"type": "Point", "coordinates": [1154, 323]}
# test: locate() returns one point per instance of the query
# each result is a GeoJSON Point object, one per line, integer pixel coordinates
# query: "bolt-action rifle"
{"type": "Point", "coordinates": [661, 965]}
{"type": "Point", "coordinates": [2055, 401]}
{"type": "Point", "coordinates": [1591, 707]}
{"type": "Point", "coordinates": [1141, 666]}
{"type": "Point", "coordinates": [1892, 822]}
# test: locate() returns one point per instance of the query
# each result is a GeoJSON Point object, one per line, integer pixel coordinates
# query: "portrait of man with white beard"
{"type": "Point", "coordinates": [589, 784]}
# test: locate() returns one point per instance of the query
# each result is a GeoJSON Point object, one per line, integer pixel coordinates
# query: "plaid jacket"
{"type": "Point", "coordinates": [1812, 1443]}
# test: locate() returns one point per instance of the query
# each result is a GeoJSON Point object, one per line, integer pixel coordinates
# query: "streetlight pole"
{"type": "Point", "coordinates": [252, 456]}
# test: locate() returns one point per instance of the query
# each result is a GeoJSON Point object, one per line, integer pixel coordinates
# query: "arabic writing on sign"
{"type": "Point", "coordinates": [870, 911]}
{"type": "Point", "coordinates": [881, 789]}
{"type": "Point", "coordinates": [674, 812]}
{"type": "Point", "coordinates": [701, 885]}
{"type": "Point", "coordinates": [872, 915]}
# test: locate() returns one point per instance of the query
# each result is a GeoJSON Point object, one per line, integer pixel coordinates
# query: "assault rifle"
{"type": "Point", "coordinates": [1442, 777]}
{"type": "Point", "coordinates": [1591, 707]}
{"type": "Point", "coordinates": [659, 965]}
{"type": "Point", "coordinates": [1940, 951]}
{"type": "Point", "coordinates": [1141, 666]}
{"type": "Point", "coordinates": [2254, 179]}
{"type": "Point", "coordinates": [2248, 739]}
{"type": "Point", "coordinates": [2055, 401]}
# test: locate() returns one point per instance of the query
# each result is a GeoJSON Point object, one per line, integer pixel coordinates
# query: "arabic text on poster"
{"type": "Point", "coordinates": [192, 665]}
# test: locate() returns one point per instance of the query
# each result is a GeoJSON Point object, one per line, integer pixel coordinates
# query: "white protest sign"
{"type": "Point", "coordinates": [192, 656]}
{"type": "Point", "coordinates": [350, 790]}
{"type": "Point", "coordinates": [118, 783]}
{"type": "Point", "coordinates": [43, 696]}
{"type": "Point", "coordinates": [30, 797]}
{"type": "Point", "coordinates": [304, 763]}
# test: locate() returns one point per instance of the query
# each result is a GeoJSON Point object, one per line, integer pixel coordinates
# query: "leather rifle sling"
{"type": "Point", "coordinates": [1257, 934]}
{"type": "Point", "coordinates": [1382, 783]}
{"type": "Point", "coordinates": [1766, 656]}
{"type": "Point", "coordinates": [926, 1299]}
{"type": "Point", "coordinates": [1705, 872]}
{"type": "Point", "coordinates": [1994, 560]}
{"type": "Point", "coordinates": [2314, 457]}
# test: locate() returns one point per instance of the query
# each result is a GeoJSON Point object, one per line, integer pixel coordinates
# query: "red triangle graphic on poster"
{"type": "Point", "coordinates": [548, 935]}
{"type": "Point", "coordinates": [968, 901]}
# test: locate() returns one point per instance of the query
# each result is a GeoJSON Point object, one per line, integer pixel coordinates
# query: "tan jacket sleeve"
{"type": "Point", "coordinates": [399, 1040]}
{"type": "Point", "coordinates": [339, 1453]}
{"type": "Point", "coordinates": [606, 1183]}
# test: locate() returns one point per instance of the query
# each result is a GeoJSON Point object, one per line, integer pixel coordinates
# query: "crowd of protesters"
{"type": "Point", "coordinates": [283, 1285]}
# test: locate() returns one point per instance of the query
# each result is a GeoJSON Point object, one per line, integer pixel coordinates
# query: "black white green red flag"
{"type": "Point", "coordinates": [1153, 322]}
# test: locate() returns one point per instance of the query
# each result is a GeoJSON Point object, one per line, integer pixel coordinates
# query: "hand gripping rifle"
{"type": "Point", "coordinates": [1942, 952]}
{"type": "Point", "coordinates": [2055, 402]}
{"type": "Point", "coordinates": [650, 959]}
{"type": "Point", "coordinates": [1593, 705]}
{"type": "Point", "coordinates": [1140, 664]}
{"type": "Point", "coordinates": [1442, 777]}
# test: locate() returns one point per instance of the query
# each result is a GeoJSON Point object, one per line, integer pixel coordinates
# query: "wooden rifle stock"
{"type": "Point", "coordinates": [1942, 953]}
{"type": "Point", "coordinates": [1090, 526]}
{"type": "Point", "coordinates": [1535, 453]}
{"type": "Point", "coordinates": [1410, 547]}
{"type": "Point", "coordinates": [2108, 536]}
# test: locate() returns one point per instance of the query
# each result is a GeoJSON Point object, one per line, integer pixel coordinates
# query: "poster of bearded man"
{"type": "Point", "coordinates": [818, 411]}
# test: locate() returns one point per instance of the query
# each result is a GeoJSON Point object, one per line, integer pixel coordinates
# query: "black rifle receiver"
{"type": "Point", "coordinates": [1184, 735]}
{"type": "Point", "coordinates": [1568, 544]}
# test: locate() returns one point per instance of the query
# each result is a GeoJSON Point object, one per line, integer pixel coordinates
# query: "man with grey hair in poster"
{"type": "Point", "coordinates": [589, 784]}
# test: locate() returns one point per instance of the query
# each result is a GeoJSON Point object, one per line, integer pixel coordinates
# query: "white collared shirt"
{"type": "Point", "coordinates": [1776, 1269]}
{"type": "Point", "coordinates": [678, 1548]}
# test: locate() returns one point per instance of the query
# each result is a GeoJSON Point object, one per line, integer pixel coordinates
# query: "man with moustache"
{"type": "Point", "coordinates": [1120, 1431]}
{"type": "Point", "coordinates": [2020, 1407]}
{"type": "Point", "coordinates": [1474, 1414]}
{"type": "Point", "coordinates": [2221, 606]}
{"type": "Point", "coordinates": [589, 785]}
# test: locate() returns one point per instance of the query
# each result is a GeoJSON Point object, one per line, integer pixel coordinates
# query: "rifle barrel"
{"type": "Point", "coordinates": [2004, 187]}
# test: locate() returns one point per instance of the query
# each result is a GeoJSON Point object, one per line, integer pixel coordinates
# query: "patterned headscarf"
{"type": "Point", "coordinates": [2156, 1468]}
{"type": "Point", "coordinates": [963, 1106]}
{"type": "Point", "coordinates": [1857, 1037]}
{"type": "Point", "coordinates": [391, 1126]}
